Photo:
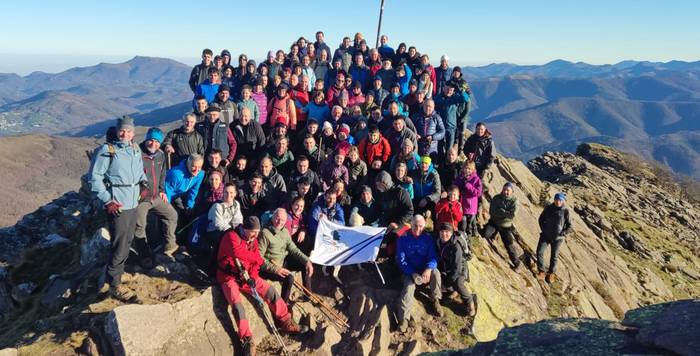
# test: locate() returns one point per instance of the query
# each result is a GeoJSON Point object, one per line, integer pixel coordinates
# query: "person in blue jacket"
{"type": "Point", "coordinates": [118, 180]}
{"type": "Point", "coordinates": [182, 184]}
{"type": "Point", "coordinates": [430, 129]}
{"type": "Point", "coordinates": [209, 88]}
{"type": "Point", "coordinates": [360, 72]}
{"type": "Point", "coordinates": [326, 206]}
{"type": "Point", "coordinates": [385, 50]}
{"type": "Point", "coordinates": [447, 104]}
{"type": "Point", "coordinates": [417, 259]}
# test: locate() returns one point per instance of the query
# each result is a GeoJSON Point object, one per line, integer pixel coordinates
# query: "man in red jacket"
{"type": "Point", "coordinates": [243, 246]}
{"type": "Point", "coordinates": [375, 146]}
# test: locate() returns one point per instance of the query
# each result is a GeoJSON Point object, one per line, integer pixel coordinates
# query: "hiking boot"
{"type": "Point", "coordinates": [104, 289]}
{"type": "Point", "coordinates": [290, 327]}
{"type": "Point", "coordinates": [248, 346]}
{"type": "Point", "coordinates": [403, 326]}
{"type": "Point", "coordinates": [170, 249]}
{"type": "Point", "coordinates": [471, 308]}
{"type": "Point", "coordinates": [437, 308]}
{"type": "Point", "coordinates": [540, 275]}
{"type": "Point", "coordinates": [550, 278]}
{"type": "Point", "coordinates": [124, 294]}
{"type": "Point", "coordinates": [518, 267]}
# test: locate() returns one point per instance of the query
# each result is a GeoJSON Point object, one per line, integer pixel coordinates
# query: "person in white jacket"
{"type": "Point", "coordinates": [222, 217]}
{"type": "Point", "coordinates": [225, 215]}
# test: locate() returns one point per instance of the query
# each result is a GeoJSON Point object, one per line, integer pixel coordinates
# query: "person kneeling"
{"type": "Point", "coordinates": [275, 246]}
{"type": "Point", "coordinates": [241, 247]}
{"type": "Point", "coordinates": [453, 254]}
{"type": "Point", "coordinates": [417, 259]}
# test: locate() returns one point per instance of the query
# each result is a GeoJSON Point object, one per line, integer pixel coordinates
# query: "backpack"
{"type": "Point", "coordinates": [463, 242]}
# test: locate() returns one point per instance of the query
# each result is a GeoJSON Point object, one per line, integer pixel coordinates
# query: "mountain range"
{"type": "Point", "coordinates": [649, 108]}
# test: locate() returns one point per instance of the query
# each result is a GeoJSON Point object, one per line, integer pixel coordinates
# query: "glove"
{"type": "Point", "coordinates": [113, 208]}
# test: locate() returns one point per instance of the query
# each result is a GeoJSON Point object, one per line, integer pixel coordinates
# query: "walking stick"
{"type": "Point", "coordinates": [327, 310]}
{"type": "Point", "coordinates": [261, 304]}
{"type": "Point", "coordinates": [168, 163]}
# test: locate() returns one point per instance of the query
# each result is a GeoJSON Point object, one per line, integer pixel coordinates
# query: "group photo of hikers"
{"type": "Point", "coordinates": [351, 134]}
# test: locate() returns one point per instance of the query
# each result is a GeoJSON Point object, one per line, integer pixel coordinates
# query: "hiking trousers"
{"type": "Point", "coordinates": [506, 233]}
{"type": "Point", "coordinates": [409, 289]}
{"type": "Point", "coordinates": [542, 245]}
{"type": "Point", "coordinates": [232, 292]}
{"type": "Point", "coordinates": [165, 212]}
{"type": "Point", "coordinates": [460, 285]}
{"type": "Point", "coordinates": [288, 282]}
{"type": "Point", "coordinates": [121, 230]}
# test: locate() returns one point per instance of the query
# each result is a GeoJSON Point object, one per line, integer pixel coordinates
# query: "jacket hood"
{"type": "Point", "coordinates": [385, 178]}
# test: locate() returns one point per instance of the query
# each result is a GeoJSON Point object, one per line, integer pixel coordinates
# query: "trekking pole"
{"type": "Point", "coordinates": [330, 313]}
{"type": "Point", "coordinates": [169, 164]}
{"type": "Point", "coordinates": [178, 232]}
{"type": "Point", "coordinates": [261, 304]}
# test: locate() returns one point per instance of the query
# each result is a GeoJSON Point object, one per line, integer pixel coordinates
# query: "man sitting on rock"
{"type": "Point", "coordinates": [241, 247]}
{"type": "Point", "coordinates": [417, 259]}
{"type": "Point", "coordinates": [275, 246]}
{"type": "Point", "coordinates": [154, 198]}
{"type": "Point", "coordinates": [555, 224]}
{"type": "Point", "coordinates": [453, 253]}
{"type": "Point", "coordinates": [502, 211]}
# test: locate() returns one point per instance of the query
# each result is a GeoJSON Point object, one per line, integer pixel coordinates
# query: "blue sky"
{"type": "Point", "coordinates": [55, 35]}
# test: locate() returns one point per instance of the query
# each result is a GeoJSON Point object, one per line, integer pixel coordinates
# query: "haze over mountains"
{"type": "Point", "coordinates": [649, 108]}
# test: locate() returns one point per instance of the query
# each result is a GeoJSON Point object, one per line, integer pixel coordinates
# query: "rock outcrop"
{"type": "Point", "coordinates": [660, 329]}
{"type": "Point", "coordinates": [632, 244]}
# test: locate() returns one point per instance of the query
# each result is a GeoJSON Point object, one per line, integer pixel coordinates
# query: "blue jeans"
{"type": "Point", "coordinates": [541, 247]}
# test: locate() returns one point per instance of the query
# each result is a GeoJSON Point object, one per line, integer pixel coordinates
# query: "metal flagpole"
{"type": "Point", "coordinates": [379, 26]}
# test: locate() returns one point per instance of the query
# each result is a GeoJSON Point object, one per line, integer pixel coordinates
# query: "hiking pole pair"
{"type": "Point", "coordinates": [261, 304]}
{"type": "Point", "coordinates": [330, 313]}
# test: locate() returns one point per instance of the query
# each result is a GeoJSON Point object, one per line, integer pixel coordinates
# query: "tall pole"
{"type": "Point", "coordinates": [379, 27]}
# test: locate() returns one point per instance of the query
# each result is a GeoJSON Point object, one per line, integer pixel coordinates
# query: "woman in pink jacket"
{"type": "Point", "coordinates": [470, 190]}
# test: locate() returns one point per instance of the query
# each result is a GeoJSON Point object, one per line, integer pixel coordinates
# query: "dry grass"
{"type": "Point", "coordinates": [37, 169]}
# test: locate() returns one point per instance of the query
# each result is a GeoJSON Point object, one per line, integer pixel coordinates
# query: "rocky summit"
{"type": "Point", "coordinates": [632, 252]}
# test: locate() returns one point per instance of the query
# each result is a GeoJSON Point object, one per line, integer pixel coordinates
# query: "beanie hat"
{"type": "Point", "coordinates": [508, 185]}
{"type": "Point", "coordinates": [251, 223]}
{"type": "Point", "coordinates": [154, 133]}
{"type": "Point", "coordinates": [225, 53]}
{"type": "Point", "coordinates": [365, 188]}
{"type": "Point", "coordinates": [327, 125]}
{"type": "Point", "coordinates": [560, 196]}
{"type": "Point", "coordinates": [446, 226]}
{"type": "Point", "coordinates": [125, 122]}
{"type": "Point", "coordinates": [213, 108]}
{"type": "Point", "coordinates": [457, 69]}
{"type": "Point", "coordinates": [344, 128]}
{"type": "Point", "coordinates": [426, 159]}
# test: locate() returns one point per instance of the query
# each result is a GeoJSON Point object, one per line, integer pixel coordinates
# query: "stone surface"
{"type": "Point", "coordinates": [8, 352]}
{"type": "Point", "coordinates": [671, 326]}
{"type": "Point", "coordinates": [57, 293]}
{"type": "Point", "coordinates": [96, 248]}
{"type": "Point", "coordinates": [195, 326]}
{"type": "Point", "coordinates": [52, 240]}
{"type": "Point", "coordinates": [23, 291]}
{"type": "Point", "coordinates": [660, 329]}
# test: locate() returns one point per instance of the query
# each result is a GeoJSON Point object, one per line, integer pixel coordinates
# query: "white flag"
{"type": "Point", "coordinates": [338, 245]}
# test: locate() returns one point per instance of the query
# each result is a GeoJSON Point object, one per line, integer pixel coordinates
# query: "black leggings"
{"type": "Point", "coordinates": [506, 233]}
{"type": "Point", "coordinates": [288, 282]}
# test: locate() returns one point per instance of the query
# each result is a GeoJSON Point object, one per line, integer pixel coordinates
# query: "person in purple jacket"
{"type": "Point", "coordinates": [417, 260]}
{"type": "Point", "coordinates": [470, 190]}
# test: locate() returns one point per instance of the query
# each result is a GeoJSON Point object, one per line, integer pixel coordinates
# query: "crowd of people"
{"type": "Point", "coordinates": [357, 135]}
